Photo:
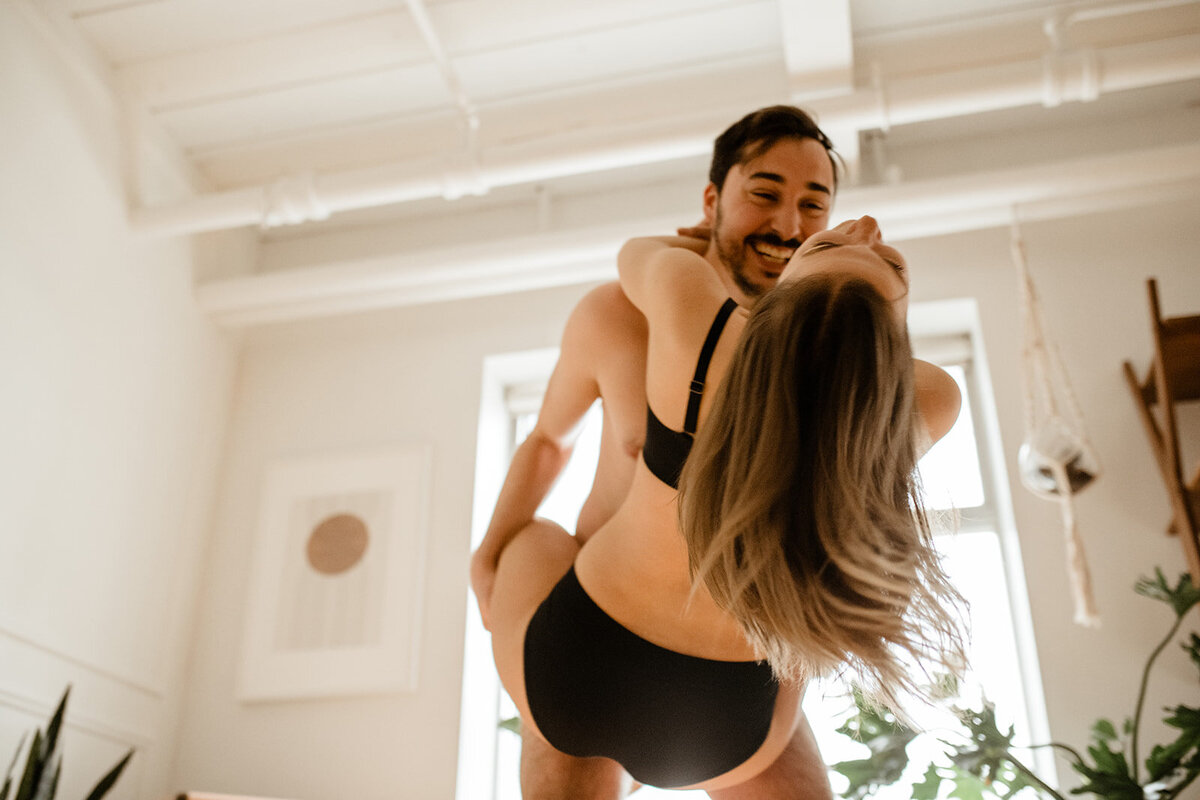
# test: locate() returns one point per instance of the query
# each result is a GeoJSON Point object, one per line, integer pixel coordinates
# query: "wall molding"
{"type": "Point", "coordinates": [34, 706]}
{"type": "Point", "coordinates": [143, 687]}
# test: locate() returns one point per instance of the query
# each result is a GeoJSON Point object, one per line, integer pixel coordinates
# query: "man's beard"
{"type": "Point", "coordinates": [733, 256]}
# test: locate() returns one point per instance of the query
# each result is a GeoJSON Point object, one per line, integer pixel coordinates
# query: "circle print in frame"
{"type": "Point", "coordinates": [337, 543]}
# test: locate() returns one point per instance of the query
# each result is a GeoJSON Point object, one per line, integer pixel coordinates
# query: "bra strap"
{"type": "Point", "coordinates": [696, 390]}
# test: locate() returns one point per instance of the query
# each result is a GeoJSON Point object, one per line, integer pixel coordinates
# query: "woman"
{"type": "Point", "coordinates": [646, 646]}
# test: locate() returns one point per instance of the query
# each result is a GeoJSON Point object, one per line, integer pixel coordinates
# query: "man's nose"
{"type": "Point", "coordinates": [788, 224]}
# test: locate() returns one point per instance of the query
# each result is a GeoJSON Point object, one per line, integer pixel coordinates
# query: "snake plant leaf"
{"type": "Point", "coordinates": [56, 725]}
{"type": "Point", "coordinates": [33, 769]}
{"type": "Point", "coordinates": [108, 781]}
{"type": "Point", "coordinates": [8, 776]}
{"type": "Point", "coordinates": [48, 785]}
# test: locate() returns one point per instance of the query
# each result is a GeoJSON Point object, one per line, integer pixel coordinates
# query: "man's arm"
{"type": "Point", "coordinates": [540, 459]}
{"type": "Point", "coordinates": [938, 400]}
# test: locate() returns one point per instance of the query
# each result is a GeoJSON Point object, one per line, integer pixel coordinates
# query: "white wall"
{"type": "Point", "coordinates": [114, 398]}
{"type": "Point", "coordinates": [411, 376]}
{"type": "Point", "coordinates": [117, 401]}
{"type": "Point", "coordinates": [1090, 272]}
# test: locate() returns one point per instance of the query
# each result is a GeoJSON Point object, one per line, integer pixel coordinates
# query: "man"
{"type": "Point", "coordinates": [753, 222]}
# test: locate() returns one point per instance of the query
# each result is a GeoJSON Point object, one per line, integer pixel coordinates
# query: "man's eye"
{"type": "Point", "coordinates": [764, 195]}
{"type": "Point", "coordinates": [896, 265]}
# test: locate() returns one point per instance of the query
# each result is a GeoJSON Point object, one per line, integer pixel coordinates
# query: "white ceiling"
{"type": "Point", "coordinates": [296, 109]}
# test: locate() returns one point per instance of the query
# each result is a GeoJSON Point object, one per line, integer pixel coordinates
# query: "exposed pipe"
{"type": "Point", "coordinates": [902, 101]}
{"type": "Point", "coordinates": [468, 179]}
{"type": "Point", "coordinates": [905, 211]}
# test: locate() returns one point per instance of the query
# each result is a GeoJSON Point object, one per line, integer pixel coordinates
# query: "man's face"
{"type": "Point", "coordinates": [768, 206]}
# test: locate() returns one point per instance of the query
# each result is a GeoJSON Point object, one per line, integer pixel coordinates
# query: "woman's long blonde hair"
{"type": "Point", "coordinates": [800, 499]}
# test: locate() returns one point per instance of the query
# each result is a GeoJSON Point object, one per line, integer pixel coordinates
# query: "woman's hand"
{"type": "Point", "coordinates": [701, 230]}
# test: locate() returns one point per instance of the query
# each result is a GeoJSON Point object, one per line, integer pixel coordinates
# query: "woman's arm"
{"type": "Point", "coordinates": [655, 268]}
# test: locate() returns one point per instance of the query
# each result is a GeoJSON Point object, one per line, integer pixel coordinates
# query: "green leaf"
{"type": "Point", "coordinates": [1181, 597]}
{"type": "Point", "coordinates": [106, 783]}
{"type": "Point", "coordinates": [928, 788]}
{"type": "Point", "coordinates": [1109, 777]}
{"type": "Point", "coordinates": [864, 775]}
{"type": "Point", "coordinates": [1108, 760]}
{"type": "Point", "coordinates": [886, 738]}
{"type": "Point", "coordinates": [49, 782]}
{"type": "Point", "coordinates": [512, 724]}
{"type": "Point", "coordinates": [968, 787]}
{"type": "Point", "coordinates": [48, 785]}
{"type": "Point", "coordinates": [56, 725]}
{"type": "Point", "coordinates": [11, 766]}
{"type": "Point", "coordinates": [1192, 648]}
{"type": "Point", "coordinates": [1104, 731]}
{"type": "Point", "coordinates": [1184, 750]}
{"type": "Point", "coordinates": [32, 768]}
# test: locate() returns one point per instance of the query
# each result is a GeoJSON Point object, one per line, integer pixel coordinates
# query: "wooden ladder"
{"type": "Point", "coordinates": [1173, 378]}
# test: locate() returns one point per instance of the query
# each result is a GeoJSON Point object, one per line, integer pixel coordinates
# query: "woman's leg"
{"type": "Point", "coordinates": [530, 566]}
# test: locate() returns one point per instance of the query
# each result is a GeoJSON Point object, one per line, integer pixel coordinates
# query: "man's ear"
{"type": "Point", "coordinates": [712, 196]}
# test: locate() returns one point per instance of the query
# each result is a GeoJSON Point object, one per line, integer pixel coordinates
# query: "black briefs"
{"type": "Point", "coordinates": [665, 449]}
{"type": "Point", "coordinates": [595, 688]}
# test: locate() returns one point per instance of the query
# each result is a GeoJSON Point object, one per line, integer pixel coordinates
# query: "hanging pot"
{"type": "Point", "coordinates": [1053, 443]}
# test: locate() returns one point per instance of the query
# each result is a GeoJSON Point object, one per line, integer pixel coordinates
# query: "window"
{"type": "Point", "coordinates": [959, 476]}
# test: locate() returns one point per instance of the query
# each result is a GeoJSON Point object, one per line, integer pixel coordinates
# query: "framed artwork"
{"type": "Point", "coordinates": [337, 576]}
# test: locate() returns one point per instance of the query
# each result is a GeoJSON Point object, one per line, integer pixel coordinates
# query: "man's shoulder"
{"type": "Point", "coordinates": [606, 307]}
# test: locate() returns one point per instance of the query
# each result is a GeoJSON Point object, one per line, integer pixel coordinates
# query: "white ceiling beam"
{"type": "Point", "coordinates": [905, 211]}
{"type": "Point", "coordinates": [818, 47]}
{"type": "Point", "coordinates": [386, 40]}
{"type": "Point", "coordinates": [917, 99]}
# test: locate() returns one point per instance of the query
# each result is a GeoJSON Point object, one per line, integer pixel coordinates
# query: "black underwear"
{"type": "Point", "coordinates": [596, 688]}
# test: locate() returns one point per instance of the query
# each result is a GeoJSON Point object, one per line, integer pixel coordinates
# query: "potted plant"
{"type": "Point", "coordinates": [43, 764]}
{"type": "Point", "coordinates": [983, 760]}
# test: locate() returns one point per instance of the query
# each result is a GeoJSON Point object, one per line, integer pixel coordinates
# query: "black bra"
{"type": "Point", "coordinates": [666, 450]}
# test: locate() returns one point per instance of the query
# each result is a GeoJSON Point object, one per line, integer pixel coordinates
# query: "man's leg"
{"type": "Point", "coordinates": [798, 774]}
{"type": "Point", "coordinates": [529, 568]}
{"type": "Point", "coordinates": [547, 774]}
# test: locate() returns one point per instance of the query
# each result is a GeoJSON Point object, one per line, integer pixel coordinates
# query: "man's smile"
{"type": "Point", "coordinates": [773, 253]}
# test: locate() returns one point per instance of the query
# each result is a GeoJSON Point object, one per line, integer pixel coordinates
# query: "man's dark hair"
{"type": "Point", "coordinates": [758, 132]}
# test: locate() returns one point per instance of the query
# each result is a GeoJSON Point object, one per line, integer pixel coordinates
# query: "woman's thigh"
{"type": "Point", "coordinates": [530, 566]}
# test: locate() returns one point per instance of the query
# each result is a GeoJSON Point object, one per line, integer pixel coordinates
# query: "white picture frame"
{"type": "Point", "coordinates": [347, 623]}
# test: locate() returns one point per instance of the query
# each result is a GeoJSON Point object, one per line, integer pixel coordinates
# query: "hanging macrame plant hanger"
{"type": "Point", "coordinates": [1056, 460]}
